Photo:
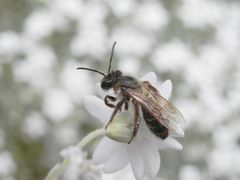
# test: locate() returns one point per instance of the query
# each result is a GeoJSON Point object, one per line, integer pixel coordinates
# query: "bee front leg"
{"type": "Point", "coordinates": [126, 105]}
{"type": "Point", "coordinates": [136, 119]}
{"type": "Point", "coordinates": [109, 98]}
{"type": "Point", "coordinates": [116, 110]}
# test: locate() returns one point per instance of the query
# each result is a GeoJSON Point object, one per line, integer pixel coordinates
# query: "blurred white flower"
{"type": "Point", "coordinates": [79, 167]}
{"type": "Point", "coordinates": [34, 126]}
{"type": "Point", "coordinates": [75, 165]}
{"type": "Point", "coordinates": [66, 134]}
{"type": "Point", "coordinates": [172, 56]}
{"type": "Point", "coordinates": [142, 153]}
{"type": "Point", "coordinates": [122, 8]}
{"type": "Point", "coordinates": [190, 172]}
{"type": "Point", "coordinates": [133, 42]}
{"type": "Point", "coordinates": [57, 105]}
{"type": "Point", "coordinates": [199, 14]}
{"type": "Point", "coordinates": [223, 161]}
{"type": "Point", "coordinates": [70, 77]}
{"type": "Point", "coordinates": [150, 15]}
{"type": "Point", "coordinates": [42, 23]}
{"type": "Point", "coordinates": [36, 68]}
{"type": "Point", "coordinates": [129, 64]}
{"type": "Point", "coordinates": [76, 158]}
{"type": "Point", "coordinates": [7, 164]}
{"type": "Point", "coordinates": [9, 43]}
{"type": "Point", "coordinates": [71, 8]}
{"type": "Point", "coordinates": [87, 40]}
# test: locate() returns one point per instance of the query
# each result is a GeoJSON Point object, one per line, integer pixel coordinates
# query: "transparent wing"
{"type": "Point", "coordinates": [161, 109]}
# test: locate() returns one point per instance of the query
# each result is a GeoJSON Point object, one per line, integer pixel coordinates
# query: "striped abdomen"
{"type": "Point", "coordinates": [154, 125]}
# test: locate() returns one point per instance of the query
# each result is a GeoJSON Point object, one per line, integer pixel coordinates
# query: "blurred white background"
{"type": "Point", "coordinates": [195, 43]}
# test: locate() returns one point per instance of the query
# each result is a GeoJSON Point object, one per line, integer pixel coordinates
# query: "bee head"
{"type": "Point", "coordinates": [112, 76]}
{"type": "Point", "coordinates": [109, 80]}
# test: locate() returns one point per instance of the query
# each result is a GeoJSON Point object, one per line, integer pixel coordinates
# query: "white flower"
{"type": "Point", "coordinates": [142, 153]}
{"type": "Point", "coordinates": [77, 168]}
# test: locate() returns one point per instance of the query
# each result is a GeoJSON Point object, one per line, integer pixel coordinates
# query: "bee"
{"type": "Point", "coordinates": [160, 116]}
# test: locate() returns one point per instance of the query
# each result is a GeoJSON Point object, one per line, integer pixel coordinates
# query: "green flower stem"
{"type": "Point", "coordinates": [91, 136]}
{"type": "Point", "coordinates": [57, 170]}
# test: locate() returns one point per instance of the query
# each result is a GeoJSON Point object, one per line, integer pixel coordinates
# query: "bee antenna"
{"type": "Point", "coordinates": [94, 70]}
{"type": "Point", "coordinates": [110, 63]}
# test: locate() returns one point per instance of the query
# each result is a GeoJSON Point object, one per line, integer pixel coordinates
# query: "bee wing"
{"type": "Point", "coordinates": [161, 109]}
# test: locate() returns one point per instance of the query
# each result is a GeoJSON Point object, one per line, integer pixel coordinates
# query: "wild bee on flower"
{"type": "Point", "coordinates": [161, 116]}
{"type": "Point", "coordinates": [124, 101]}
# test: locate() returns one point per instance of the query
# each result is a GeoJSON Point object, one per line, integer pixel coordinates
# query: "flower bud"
{"type": "Point", "coordinates": [121, 128]}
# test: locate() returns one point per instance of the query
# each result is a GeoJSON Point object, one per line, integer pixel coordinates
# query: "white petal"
{"type": "Point", "coordinates": [96, 107]}
{"type": "Point", "coordinates": [178, 131]}
{"type": "Point", "coordinates": [151, 77]}
{"type": "Point", "coordinates": [151, 157]}
{"type": "Point", "coordinates": [123, 174]}
{"type": "Point", "coordinates": [165, 89]}
{"type": "Point", "coordinates": [104, 150]}
{"type": "Point", "coordinates": [99, 90]}
{"type": "Point", "coordinates": [118, 160]}
{"type": "Point", "coordinates": [136, 159]}
{"type": "Point", "coordinates": [169, 143]}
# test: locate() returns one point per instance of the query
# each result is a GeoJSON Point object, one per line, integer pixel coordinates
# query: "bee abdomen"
{"type": "Point", "coordinates": [154, 125]}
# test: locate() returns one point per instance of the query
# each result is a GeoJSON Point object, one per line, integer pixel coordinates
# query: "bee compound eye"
{"type": "Point", "coordinates": [106, 85]}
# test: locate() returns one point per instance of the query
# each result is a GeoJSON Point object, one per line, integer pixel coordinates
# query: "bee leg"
{"type": "Point", "coordinates": [109, 98]}
{"type": "Point", "coordinates": [117, 108]}
{"type": "Point", "coordinates": [126, 105]}
{"type": "Point", "coordinates": [136, 120]}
